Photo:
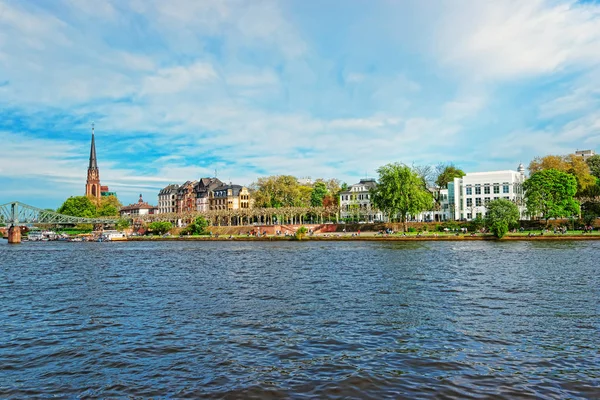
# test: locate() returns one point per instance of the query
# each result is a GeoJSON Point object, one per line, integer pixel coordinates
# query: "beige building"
{"type": "Point", "coordinates": [229, 197]}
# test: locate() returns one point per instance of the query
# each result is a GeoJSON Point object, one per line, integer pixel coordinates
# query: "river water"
{"type": "Point", "coordinates": [300, 320]}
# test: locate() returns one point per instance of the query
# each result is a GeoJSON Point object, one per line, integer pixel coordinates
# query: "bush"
{"type": "Point", "coordinates": [301, 232]}
{"type": "Point", "coordinates": [160, 227]}
{"type": "Point", "coordinates": [198, 227]}
{"type": "Point", "coordinates": [499, 228]}
{"type": "Point", "coordinates": [411, 229]}
{"type": "Point", "coordinates": [476, 224]}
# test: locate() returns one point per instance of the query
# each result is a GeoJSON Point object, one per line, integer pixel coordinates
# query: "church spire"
{"type": "Point", "coordinates": [93, 162]}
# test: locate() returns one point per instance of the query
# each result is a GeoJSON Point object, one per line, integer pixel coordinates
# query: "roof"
{"type": "Point", "coordinates": [169, 189]}
{"type": "Point", "coordinates": [93, 161]}
{"type": "Point", "coordinates": [234, 188]}
{"type": "Point", "coordinates": [140, 205]}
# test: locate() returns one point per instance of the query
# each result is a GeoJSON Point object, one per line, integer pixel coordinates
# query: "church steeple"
{"type": "Point", "coordinates": [93, 162]}
{"type": "Point", "coordinates": [92, 186]}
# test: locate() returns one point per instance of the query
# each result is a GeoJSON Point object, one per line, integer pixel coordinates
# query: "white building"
{"type": "Point", "coordinates": [585, 154]}
{"type": "Point", "coordinates": [468, 196]}
{"type": "Point", "coordinates": [167, 199]}
{"type": "Point", "coordinates": [441, 213]}
{"type": "Point", "coordinates": [139, 208]}
{"type": "Point", "coordinates": [355, 203]}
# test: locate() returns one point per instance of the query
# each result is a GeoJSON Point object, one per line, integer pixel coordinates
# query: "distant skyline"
{"type": "Point", "coordinates": [178, 89]}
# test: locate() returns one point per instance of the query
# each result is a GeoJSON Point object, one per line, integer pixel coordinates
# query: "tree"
{"type": "Point", "coordinates": [198, 227]}
{"type": "Point", "coordinates": [400, 191]}
{"type": "Point", "coordinates": [78, 206]}
{"type": "Point", "coordinates": [501, 215]}
{"type": "Point", "coordinates": [570, 163]}
{"type": "Point", "coordinates": [276, 191]}
{"type": "Point", "coordinates": [109, 206]}
{"type": "Point", "coordinates": [318, 193]}
{"type": "Point", "coordinates": [160, 227]}
{"type": "Point", "coordinates": [445, 174]}
{"type": "Point", "coordinates": [551, 194]}
{"type": "Point", "coordinates": [122, 224]}
{"type": "Point", "coordinates": [593, 163]}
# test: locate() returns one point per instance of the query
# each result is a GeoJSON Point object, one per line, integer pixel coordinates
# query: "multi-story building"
{"type": "Point", "coordinates": [167, 199]}
{"type": "Point", "coordinates": [202, 190]}
{"type": "Point", "coordinates": [355, 203]}
{"type": "Point", "coordinates": [469, 195]}
{"type": "Point", "coordinates": [139, 208]}
{"type": "Point", "coordinates": [186, 198]}
{"type": "Point", "coordinates": [229, 197]}
{"type": "Point", "coordinates": [585, 154]}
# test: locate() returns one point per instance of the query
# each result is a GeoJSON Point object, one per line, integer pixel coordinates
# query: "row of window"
{"type": "Point", "coordinates": [486, 200]}
{"type": "Point", "coordinates": [355, 197]}
{"type": "Point", "coordinates": [487, 189]}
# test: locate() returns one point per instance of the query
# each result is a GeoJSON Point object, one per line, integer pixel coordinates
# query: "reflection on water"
{"type": "Point", "coordinates": [300, 319]}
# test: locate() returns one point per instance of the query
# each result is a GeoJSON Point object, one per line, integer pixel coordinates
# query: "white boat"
{"type": "Point", "coordinates": [111, 235]}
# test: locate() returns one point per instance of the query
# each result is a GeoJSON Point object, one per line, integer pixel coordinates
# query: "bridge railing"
{"type": "Point", "coordinates": [16, 213]}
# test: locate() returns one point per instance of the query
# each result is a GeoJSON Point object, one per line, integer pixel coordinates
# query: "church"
{"type": "Point", "coordinates": [93, 188]}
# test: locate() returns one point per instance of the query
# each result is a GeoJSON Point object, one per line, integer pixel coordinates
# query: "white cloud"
{"type": "Point", "coordinates": [519, 38]}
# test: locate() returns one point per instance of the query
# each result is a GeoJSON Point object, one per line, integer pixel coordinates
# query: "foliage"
{"type": "Point", "coordinates": [198, 227]}
{"type": "Point", "coordinates": [446, 174]}
{"type": "Point", "coordinates": [593, 163]}
{"type": "Point", "coordinates": [450, 225]}
{"type": "Point", "coordinates": [502, 214]}
{"type": "Point", "coordinates": [400, 191]}
{"type": "Point", "coordinates": [160, 227]}
{"type": "Point", "coordinates": [122, 224]}
{"type": "Point", "coordinates": [78, 206]}
{"type": "Point", "coordinates": [318, 193]}
{"type": "Point", "coordinates": [569, 163]}
{"type": "Point", "coordinates": [109, 206]}
{"type": "Point", "coordinates": [499, 228]}
{"type": "Point", "coordinates": [550, 193]}
{"type": "Point", "coordinates": [476, 224]}
{"type": "Point", "coordinates": [276, 191]}
{"type": "Point", "coordinates": [84, 227]}
{"type": "Point", "coordinates": [301, 232]}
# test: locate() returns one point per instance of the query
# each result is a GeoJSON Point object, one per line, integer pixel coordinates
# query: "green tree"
{"type": "Point", "coordinates": [78, 206]}
{"type": "Point", "coordinates": [109, 206]}
{"type": "Point", "coordinates": [122, 224]}
{"type": "Point", "coordinates": [160, 227]}
{"type": "Point", "coordinates": [400, 191]}
{"type": "Point", "coordinates": [569, 163]}
{"type": "Point", "coordinates": [276, 192]}
{"type": "Point", "coordinates": [551, 194]}
{"type": "Point", "coordinates": [198, 227]}
{"type": "Point", "coordinates": [446, 174]}
{"type": "Point", "coordinates": [319, 191]}
{"type": "Point", "coordinates": [593, 163]}
{"type": "Point", "coordinates": [301, 233]}
{"type": "Point", "coordinates": [501, 215]}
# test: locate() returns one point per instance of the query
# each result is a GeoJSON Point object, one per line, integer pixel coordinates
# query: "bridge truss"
{"type": "Point", "coordinates": [16, 213]}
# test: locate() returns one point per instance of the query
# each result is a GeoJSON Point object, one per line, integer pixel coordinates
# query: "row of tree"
{"type": "Point", "coordinates": [286, 191]}
{"type": "Point", "coordinates": [90, 207]}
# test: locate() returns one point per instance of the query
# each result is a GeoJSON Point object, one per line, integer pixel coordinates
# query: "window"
{"type": "Point", "coordinates": [479, 215]}
{"type": "Point", "coordinates": [505, 189]}
{"type": "Point", "coordinates": [486, 190]}
{"type": "Point", "coordinates": [496, 189]}
{"type": "Point", "coordinates": [469, 202]}
{"type": "Point", "coordinates": [486, 200]}
{"type": "Point", "coordinates": [477, 189]}
{"type": "Point", "coordinates": [468, 215]}
{"type": "Point", "coordinates": [478, 201]}
{"type": "Point", "coordinates": [469, 191]}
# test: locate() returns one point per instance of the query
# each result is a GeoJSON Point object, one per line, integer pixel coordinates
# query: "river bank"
{"type": "Point", "coordinates": [388, 238]}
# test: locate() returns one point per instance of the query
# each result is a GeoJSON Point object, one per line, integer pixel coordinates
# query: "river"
{"type": "Point", "coordinates": [300, 319]}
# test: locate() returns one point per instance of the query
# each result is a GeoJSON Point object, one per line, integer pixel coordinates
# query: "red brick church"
{"type": "Point", "coordinates": [93, 188]}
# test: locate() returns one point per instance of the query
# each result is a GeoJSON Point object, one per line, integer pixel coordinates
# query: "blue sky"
{"type": "Point", "coordinates": [328, 89]}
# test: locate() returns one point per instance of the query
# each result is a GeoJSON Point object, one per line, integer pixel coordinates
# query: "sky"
{"type": "Point", "coordinates": [333, 89]}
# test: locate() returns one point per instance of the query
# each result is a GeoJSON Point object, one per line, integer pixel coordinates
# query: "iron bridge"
{"type": "Point", "coordinates": [17, 214]}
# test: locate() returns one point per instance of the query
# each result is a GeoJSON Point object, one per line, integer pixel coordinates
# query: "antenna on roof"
{"type": "Point", "coordinates": [215, 172]}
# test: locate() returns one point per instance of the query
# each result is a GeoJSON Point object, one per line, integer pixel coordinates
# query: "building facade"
{"type": "Point", "coordinates": [355, 203]}
{"type": "Point", "coordinates": [186, 198]}
{"type": "Point", "coordinates": [229, 197]}
{"type": "Point", "coordinates": [469, 195]}
{"type": "Point", "coordinates": [139, 208]}
{"type": "Point", "coordinates": [202, 191]}
{"type": "Point", "coordinates": [167, 199]}
{"type": "Point", "coordinates": [585, 154]}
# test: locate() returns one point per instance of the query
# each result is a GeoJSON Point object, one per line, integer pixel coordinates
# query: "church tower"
{"type": "Point", "coordinates": [92, 186]}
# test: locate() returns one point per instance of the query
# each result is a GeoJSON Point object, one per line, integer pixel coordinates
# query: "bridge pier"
{"type": "Point", "coordinates": [14, 234]}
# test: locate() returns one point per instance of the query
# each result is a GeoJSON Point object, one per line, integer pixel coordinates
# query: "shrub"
{"type": "Point", "coordinates": [301, 232]}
